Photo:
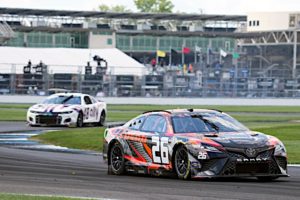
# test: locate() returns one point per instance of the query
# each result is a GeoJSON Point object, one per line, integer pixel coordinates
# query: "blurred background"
{"type": "Point", "coordinates": [146, 48]}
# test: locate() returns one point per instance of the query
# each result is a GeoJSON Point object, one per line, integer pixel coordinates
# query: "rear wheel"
{"type": "Point", "coordinates": [182, 163]}
{"type": "Point", "coordinates": [79, 122]}
{"type": "Point", "coordinates": [117, 162]}
{"type": "Point", "coordinates": [102, 119]}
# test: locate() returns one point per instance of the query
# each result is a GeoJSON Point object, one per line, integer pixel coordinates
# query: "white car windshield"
{"type": "Point", "coordinates": [75, 100]}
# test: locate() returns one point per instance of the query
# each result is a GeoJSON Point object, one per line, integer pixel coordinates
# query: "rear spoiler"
{"type": "Point", "coordinates": [114, 124]}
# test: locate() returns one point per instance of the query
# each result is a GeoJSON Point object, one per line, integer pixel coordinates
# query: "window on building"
{"type": "Point", "coordinates": [253, 23]}
{"type": "Point", "coordinates": [297, 22]}
{"type": "Point", "coordinates": [250, 23]}
{"type": "Point", "coordinates": [292, 21]}
{"type": "Point", "coordinates": [257, 23]}
{"type": "Point", "coordinates": [227, 46]}
{"type": "Point", "coordinates": [109, 41]}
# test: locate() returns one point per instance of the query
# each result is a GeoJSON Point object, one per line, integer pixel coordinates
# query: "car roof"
{"type": "Point", "coordinates": [69, 94]}
{"type": "Point", "coordinates": [184, 111]}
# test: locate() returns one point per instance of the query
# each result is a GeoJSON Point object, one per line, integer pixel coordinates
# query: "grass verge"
{"type": "Point", "coordinates": [12, 114]}
{"type": "Point", "coordinates": [92, 138]}
{"type": "Point", "coordinates": [80, 138]}
{"type": "Point", "coordinates": [17, 112]}
{"type": "Point", "coordinates": [258, 109]}
{"type": "Point", "coordinates": [290, 136]}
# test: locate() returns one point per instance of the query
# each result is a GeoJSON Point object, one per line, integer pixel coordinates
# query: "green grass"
{"type": "Point", "coordinates": [263, 109]}
{"type": "Point", "coordinates": [12, 114]}
{"type": "Point", "coordinates": [82, 138]}
{"type": "Point", "coordinates": [4, 196]}
{"type": "Point", "coordinates": [265, 118]}
{"type": "Point", "coordinates": [92, 138]}
{"type": "Point", "coordinates": [260, 109]}
{"type": "Point", "coordinates": [17, 112]}
{"type": "Point", "coordinates": [280, 121]}
{"type": "Point", "coordinates": [15, 106]}
{"type": "Point", "coordinates": [290, 136]}
{"type": "Point", "coordinates": [121, 115]}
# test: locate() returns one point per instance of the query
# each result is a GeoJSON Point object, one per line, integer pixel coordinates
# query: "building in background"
{"type": "Point", "coordinates": [197, 55]}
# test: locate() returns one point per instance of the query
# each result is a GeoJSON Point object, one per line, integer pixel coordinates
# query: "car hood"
{"type": "Point", "coordinates": [53, 107]}
{"type": "Point", "coordinates": [246, 139]}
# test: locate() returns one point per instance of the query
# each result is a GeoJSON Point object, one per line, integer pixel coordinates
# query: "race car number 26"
{"type": "Point", "coordinates": [162, 147]}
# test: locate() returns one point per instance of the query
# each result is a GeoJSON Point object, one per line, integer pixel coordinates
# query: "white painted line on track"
{"type": "Point", "coordinates": [294, 165]}
{"type": "Point", "coordinates": [18, 134]}
{"type": "Point", "coordinates": [14, 139]}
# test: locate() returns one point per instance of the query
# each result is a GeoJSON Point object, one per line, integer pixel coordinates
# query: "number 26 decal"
{"type": "Point", "coordinates": [162, 147]}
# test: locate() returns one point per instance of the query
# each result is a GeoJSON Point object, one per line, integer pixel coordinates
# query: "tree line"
{"type": "Point", "coordinates": [147, 6]}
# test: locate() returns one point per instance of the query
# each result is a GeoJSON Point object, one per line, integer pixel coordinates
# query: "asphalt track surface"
{"type": "Point", "coordinates": [84, 175]}
{"type": "Point", "coordinates": [8, 126]}
{"type": "Point", "coordinates": [25, 171]}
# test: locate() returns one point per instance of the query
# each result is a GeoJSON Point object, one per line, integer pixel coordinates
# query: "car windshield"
{"type": "Point", "coordinates": [206, 122]}
{"type": "Point", "coordinates": [75, 100]}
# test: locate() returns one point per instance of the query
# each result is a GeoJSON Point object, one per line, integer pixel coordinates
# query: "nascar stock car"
{"type": "Point", "coordinates": [192, 144]}
{"type": "Point", "coordinates": [67, 109]}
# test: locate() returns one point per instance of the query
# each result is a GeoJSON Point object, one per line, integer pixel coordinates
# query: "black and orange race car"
{"type": "Point", "coordinates": [192, 143]}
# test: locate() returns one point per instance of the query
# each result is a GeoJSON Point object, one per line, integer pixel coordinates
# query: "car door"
{"type": "Point", "coordinates": [89, 110]}
{"type": "Point", "coordinates": [97, 109]}
{"type": "Point", "coordinates": [154, 129]}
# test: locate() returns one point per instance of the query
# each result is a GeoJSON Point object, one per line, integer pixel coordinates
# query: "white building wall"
{"type": "Point", "coordinates": [267, 21]}
{"type": "Point", "coordinates": [99, 41]}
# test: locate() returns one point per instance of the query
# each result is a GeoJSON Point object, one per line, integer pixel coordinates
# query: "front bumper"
{"type": "Point", "coordinates": [234, 165]}
{"type": "Point", "coordinates": [52, 119]}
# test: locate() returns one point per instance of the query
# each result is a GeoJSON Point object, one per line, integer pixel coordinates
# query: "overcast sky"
{"type": "Point", "coordinates": [189, 6]}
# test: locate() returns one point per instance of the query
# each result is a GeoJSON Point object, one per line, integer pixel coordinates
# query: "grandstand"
{"type": "Point", "coordinates": [200, 54]}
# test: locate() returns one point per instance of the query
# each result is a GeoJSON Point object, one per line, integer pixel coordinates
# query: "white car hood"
{"type": "Point", "coordinates": [54, 108]}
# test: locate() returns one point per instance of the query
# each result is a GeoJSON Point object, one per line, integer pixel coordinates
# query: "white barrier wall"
{"type": "Point", "coordinates": [168, 101]}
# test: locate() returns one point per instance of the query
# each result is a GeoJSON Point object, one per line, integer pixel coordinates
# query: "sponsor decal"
{"type": "Point", "coordinates": [160, 146]}
{"type": "Point", "coordinates": [202, 155]}
{"type": "Point", "coordinates": [252, 159]}
{"type": "Point", "coordinates": [196, 164]}
{"type": "Point", "coordinates": [136, 138]}
{"type": "Point", "coordinates": [250, 152]}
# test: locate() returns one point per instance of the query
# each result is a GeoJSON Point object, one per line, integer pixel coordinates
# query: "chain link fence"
{"type": "Point", "coordinates": [201, 81]}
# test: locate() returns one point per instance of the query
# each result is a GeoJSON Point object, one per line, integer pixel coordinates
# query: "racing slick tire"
{"type": "Point", "coordinates": [267, 178]}
{"type": "Point", "coordinates": [182, 164]}
{"type": "Point", "coordinates": [79, 122]}
{"type": "Point", "coordinates": [33, 125]}
{"type": "Point", "coordinates": [102, 119]}
{"type": "Point", "coordinates": [117, 162]}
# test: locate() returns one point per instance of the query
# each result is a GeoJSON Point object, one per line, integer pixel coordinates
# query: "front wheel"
{"type": "Point", "coordinates": [182, 163]}
{"type": "Point", "coordinates": [117, 163]}
{"type": "Point", "coordinates": [79, 122]}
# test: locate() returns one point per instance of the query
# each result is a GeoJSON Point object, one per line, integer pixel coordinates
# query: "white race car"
{"type": "Point", "coordinates": [67, 109]}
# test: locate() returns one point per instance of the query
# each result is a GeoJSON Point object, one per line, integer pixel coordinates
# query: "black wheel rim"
{"type": "Point", "coordinates": [181, 161]}
{"type": "Point", "coordinates": [116, 158]}
{"type": "Point", "coordinates": [80, 120]}
{"type": "Point", "coordinates": [102, 119]}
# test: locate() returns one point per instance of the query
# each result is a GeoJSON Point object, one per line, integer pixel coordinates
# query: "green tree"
{"type": "Point", "coordinates": [116, 8]}
{"type": "Point", "coordinates": [165, 6]}
{"type": "Point", "coordinates": [154, 6]}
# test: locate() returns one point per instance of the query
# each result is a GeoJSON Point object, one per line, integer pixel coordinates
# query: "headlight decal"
{"type": "Point", "coordinates": [280, 150]}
